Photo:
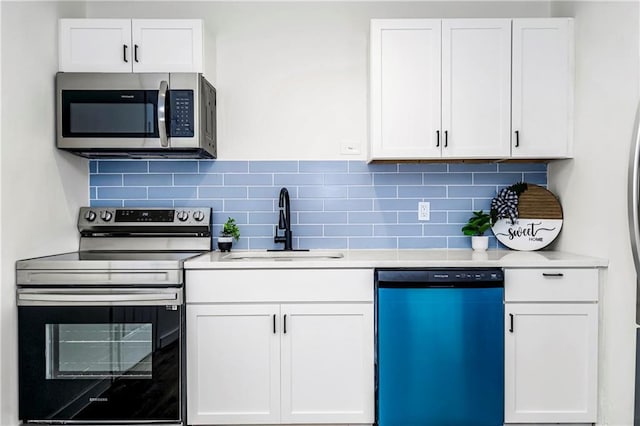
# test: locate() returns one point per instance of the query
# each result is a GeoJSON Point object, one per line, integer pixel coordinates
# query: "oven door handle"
{"type": "Point", "coordinates": [90, 298]}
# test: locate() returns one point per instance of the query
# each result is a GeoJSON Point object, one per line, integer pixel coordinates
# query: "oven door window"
{"type": "Point", "coordinates": [90, 351]}
{"type": "Point", "coordinates": [110, 113]}
{"type": "Point", "coordinates": [100, 363]}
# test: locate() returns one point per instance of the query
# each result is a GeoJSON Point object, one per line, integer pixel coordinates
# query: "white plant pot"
{"type": "Point", "coordinates": [225, 243]}
{"type": "Point", "coordinates": [480, 243]}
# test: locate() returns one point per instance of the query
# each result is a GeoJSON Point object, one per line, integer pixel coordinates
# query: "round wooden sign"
{"type": "Point", "coordinates": [539, 220]}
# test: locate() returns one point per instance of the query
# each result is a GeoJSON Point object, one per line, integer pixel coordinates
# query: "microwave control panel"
{"type": "Point", "coordinates": [181, 113]}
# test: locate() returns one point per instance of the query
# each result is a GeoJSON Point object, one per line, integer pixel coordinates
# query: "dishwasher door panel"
{"type": "Point", "coordinates": [440, 356]}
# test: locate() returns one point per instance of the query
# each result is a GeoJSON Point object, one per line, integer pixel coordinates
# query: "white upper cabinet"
{"type": "Point", "coordinates": [95, 45]}
{"type": "Point", "coordinates": [125, 45]}
{"type": "Point", "coordinates": [167, 45]}
{"type": "Point", "coordinates": [405, 88]}
{"type": "Point", "coordinates": [453, 88]}
{"type": "Point", "coordinates": [476, 84]}
{"type": "Point", "coordinates": [542, 105]}
{"type": "Point", "coordinates": [440, 88]}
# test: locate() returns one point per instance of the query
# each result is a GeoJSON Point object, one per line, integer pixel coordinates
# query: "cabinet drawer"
{"type": "Point", "coordinates": [279, 285]}
{"type": "Point", "coordinates": [551, 285]}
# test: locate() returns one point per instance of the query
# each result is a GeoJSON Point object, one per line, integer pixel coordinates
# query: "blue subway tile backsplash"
{"type": "Point", "coordinates": [334, 204]}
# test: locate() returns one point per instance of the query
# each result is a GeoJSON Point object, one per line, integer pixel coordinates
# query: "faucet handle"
{"type": "Point", "coordinates": [278, 238]}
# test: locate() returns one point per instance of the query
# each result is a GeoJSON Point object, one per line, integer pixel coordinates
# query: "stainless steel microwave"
{"type": "Point", "coordinates": [137, 115]}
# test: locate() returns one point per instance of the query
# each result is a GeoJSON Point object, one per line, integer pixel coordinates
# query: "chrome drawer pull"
{"type": "Point", "coordinates": [548, 274]}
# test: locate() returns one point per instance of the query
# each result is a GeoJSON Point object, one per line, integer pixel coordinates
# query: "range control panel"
{"type": "Point", "coordinates": [133, 219]}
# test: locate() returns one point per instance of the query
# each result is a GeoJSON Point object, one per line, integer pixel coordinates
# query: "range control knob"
{"type": "Point", "coordinates": [183, 215]}
{"type": "Point", "coordinates": [106, 216]}
{"type": "Point", "coordinates": [90, 216]}
{"type": "Point", "coordinates": [198, 215]}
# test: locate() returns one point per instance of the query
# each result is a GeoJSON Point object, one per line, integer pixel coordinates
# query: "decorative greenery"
{"type": "Point", "coordinates": [230, 229]}
{"type": "Point", "coordinates": [519, 187]}
{"type": "Point", "coordinates": [477, 224]}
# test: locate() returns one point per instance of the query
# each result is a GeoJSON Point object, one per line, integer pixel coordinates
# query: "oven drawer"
{"type": "Point", "coordinates": [123, 277]}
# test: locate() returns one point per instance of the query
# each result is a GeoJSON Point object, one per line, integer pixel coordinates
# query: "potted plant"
{"type": "Point", "coordinates": [476, 227]}
{"type": "Point", "coordinates": [230, 231]}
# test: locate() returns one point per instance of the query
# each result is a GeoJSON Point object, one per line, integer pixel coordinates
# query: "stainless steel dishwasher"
{"type": "Point", "coordinates": [439, 347]}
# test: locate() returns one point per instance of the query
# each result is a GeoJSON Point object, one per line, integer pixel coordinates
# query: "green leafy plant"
{"type": "Point", "coordinates": [477, 224]}
{"type": "Point", "coordinates": [230, 229]}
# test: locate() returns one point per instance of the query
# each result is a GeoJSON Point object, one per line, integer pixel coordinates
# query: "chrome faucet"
{"type": "Point", "coordinates": [285, 220]}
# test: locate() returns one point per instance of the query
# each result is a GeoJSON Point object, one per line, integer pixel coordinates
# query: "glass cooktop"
{"type": "Point", "coordinates": [110, 260]}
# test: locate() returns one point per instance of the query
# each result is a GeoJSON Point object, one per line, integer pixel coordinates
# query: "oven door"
{"type": "Point", "coordinates": [100, 356]}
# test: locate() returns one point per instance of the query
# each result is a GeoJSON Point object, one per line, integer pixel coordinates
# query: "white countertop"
{"type": "Point", "coordinates": [403, 259]}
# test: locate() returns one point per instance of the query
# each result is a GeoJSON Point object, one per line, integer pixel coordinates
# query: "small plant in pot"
{"type": "Point", "coordinates": [477, 225]}
{"type": "Point", "coordinates": [230, 231]}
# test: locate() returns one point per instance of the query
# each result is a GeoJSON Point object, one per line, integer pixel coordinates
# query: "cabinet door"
{"type": "Point", "coordinates": [551, 362]}
{"type": "Point", "coordinates": [405, 88]}
{"type": "Point", "coordinates": [95, 45]}
{"type": "Point", "coordinates": [542, 88]}
{"type": "Point", "coordinates": [327, 363]}
{"type": "Point", "coordinates": [167, 45]}
{"type": "Point", "coordinates": [233, 364]}
{"type": "Point", "coordinates": [476, 86]}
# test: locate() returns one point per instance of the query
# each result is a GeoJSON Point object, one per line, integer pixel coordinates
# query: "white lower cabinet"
{"type": "Point", "coordinates": [233, 364]}
{"type": "Point", "coordinates": [295, 362]}
{"type": "Point", "coordinates": [551, 346]}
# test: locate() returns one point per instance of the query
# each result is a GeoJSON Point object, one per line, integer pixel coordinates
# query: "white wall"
{"type": "Point", "coordinates": [42, 188]}
{"type": "Point", "coordinates": [592, 187]}
{"type": "Point", "coordinates": [292, 77]}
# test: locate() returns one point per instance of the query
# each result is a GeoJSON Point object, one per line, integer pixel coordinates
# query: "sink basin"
{"type": "Point", "coordinates": [283, 255]}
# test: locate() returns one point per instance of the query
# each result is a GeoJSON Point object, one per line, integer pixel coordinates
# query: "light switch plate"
{"type": "Point", "coordinates": [349, 147]}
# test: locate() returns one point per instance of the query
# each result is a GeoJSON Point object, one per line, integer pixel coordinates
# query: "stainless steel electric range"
{"type": "Point", "coordinates": [101, 330]}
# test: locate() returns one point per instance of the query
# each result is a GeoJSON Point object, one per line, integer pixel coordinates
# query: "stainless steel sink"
{"type": "Point", "coordinates": [283, 255]}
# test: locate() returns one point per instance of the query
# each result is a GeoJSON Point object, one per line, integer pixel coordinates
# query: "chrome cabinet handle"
{"type": "Point", "coordinates": [162, 126]}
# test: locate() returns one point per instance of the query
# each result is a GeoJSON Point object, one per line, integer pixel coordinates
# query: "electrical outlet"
{"type": "Point", "coordinates": [423, 210]}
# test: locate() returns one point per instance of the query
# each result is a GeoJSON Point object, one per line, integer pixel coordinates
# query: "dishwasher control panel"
{"type": "Point", "coordinates": [438, 277]}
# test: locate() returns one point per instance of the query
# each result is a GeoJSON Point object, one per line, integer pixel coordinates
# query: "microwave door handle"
{"type": "Point", "coordinates": [162, 102]}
